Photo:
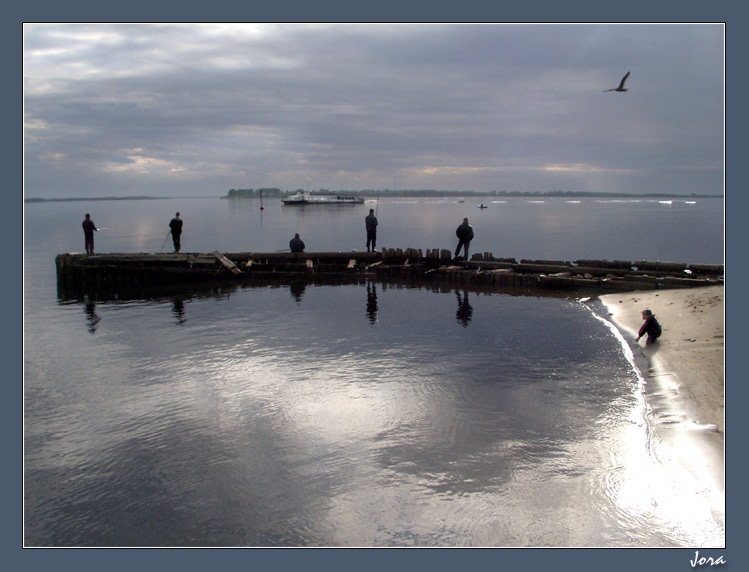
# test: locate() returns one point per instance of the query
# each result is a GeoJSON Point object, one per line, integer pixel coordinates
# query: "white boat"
{"type": "Point", "coordinates": [305, 198]}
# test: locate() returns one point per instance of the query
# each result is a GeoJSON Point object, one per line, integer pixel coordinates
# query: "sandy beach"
{"type": "Point", "coordinates": [691, 349]}
{"type": "Point", "coordinates": [685, 376]}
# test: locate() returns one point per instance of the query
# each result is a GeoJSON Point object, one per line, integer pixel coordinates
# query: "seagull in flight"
{"type": "Point", "coordinates": [621, 85]}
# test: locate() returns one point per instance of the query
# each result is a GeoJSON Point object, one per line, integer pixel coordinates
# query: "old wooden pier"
{"type": "Point", "coordinates": [142, 274]}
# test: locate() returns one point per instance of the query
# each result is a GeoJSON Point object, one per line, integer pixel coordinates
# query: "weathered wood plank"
{"type": "Point", "coordinates": [227, 263]}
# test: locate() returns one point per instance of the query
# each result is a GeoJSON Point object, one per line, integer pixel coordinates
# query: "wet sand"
{"type": "Point", "coordinates": [685, 376]}
{"type": "Point", "coordinates": [691, 348]}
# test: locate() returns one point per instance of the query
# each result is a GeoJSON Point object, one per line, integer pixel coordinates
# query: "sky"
{"type": "Point", "coordinates": [182, 110]}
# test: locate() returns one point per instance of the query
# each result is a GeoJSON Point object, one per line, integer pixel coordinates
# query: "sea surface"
{"type": "Point", "coordinates": [351, 415]}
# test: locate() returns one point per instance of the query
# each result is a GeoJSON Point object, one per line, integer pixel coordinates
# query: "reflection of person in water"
{"type": "Point", "coordinates": [371, 302]}
{"type": "Point", "coordinates": [297, 289]}
{"type": "Point", "coordinates": [465, 310]}
{"type": "Point", "coordinates": [92, 317]}
{"type": "Point", "coordinates": [178, 309]}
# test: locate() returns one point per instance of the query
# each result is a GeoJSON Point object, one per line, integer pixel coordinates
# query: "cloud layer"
{"type": "Point", "coordinates": [197, 109]}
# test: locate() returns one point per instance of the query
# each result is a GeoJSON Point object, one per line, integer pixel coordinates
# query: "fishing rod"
{"type": "Point", "coordinates": [165, 239]}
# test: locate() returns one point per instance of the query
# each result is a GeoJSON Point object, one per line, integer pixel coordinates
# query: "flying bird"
{"type": "Point", "coordinates": [621, 85]}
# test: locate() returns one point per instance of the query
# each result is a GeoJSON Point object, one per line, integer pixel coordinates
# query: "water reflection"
{"type": "Point", "coordinates": [371, 302]}
{"type": "Point", "coordinates": [178, 309]}
{"type": "Point", "coordinates": [465, 310]}
{"type": "Point", "coordinates": [297, 290]}
{"type": "Point", "coordinates": [307, 431]}
{"type": "Point", "coordinates": [91, 316]}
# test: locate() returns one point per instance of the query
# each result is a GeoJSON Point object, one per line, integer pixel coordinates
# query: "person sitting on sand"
{"type": "Point", "coordinates": [651, 327]}
{"type": "Point", "coordinates": [296, 244]}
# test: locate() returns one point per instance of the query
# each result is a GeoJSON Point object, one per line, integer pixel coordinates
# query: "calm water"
{"type": "Point", "coordinates": [368, 415]}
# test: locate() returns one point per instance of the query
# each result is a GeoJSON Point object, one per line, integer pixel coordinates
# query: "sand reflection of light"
{"type": "Point", "coordinates": [647, 484]}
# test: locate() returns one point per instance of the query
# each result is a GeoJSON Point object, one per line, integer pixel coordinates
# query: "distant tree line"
{"type": "Point", "coordinates": [276, 192]}
{"type": "Point", "coordinates": [252, 193]}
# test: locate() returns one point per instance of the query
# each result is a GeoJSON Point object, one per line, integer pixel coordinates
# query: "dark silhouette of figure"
{"type": "Point", "coordinates": [91, 316]}
{"type": "Point", "coordinates": [621, 85]}
{"type": "Point", "coordinates": [371, 302]}
{"type": "Point", "coordinates": [465, 310]}
{"type": "Point", "coordinates": [176, 225]}
{"type": "Point", "coordinates": [465, 235]}
{"type": "Point", "coordinates": [178, 309]}
{"type": "Point", "coordinates": [651, 327]}
{"type": "Point", "coordinates": [297, 289]}
{"type": "Point", "coordinates": [296, 244]}
{"type": "Point", "coordinates": [88, 233]}
{"type": "Point", "coordinates": [370, 222]}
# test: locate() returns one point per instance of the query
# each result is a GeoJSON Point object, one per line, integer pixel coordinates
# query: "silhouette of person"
{"type": "Point", "coordinates": [91, 316]}
{"type": "Point", "coordinates": [465, 235]}
{"type": "Point", "coordinates": [465, 310]}
{"type": "Point", "coordinates": [178, 309]}
{"type": "Point", "coordinates": [371, 302]}
{"type": "Point", "coordinates": [176, 225]}
{"type": "Point", "coordinates": [370, 222]}
{"type": "Point", "coordinates": [296, 244]}
{"type": "Point", "coordinates": [297, 289]}
{"type": "Point", "coordinates": [88, 233]}
{"type": "Point", "coordinates": [651, 327]}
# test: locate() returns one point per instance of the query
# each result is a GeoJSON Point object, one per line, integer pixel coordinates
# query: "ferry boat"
{"type": "Point", "coordinates": [305, 198]}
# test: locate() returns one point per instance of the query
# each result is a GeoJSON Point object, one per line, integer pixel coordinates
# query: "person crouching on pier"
{"type": "Point", "coordinates": [296, 244]}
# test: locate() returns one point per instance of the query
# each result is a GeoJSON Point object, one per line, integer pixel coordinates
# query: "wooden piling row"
{"type": "Point", "coordinates": [135, 274]}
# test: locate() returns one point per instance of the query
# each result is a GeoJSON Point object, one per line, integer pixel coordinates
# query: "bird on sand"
{"type": "Point", "coordinates": [621, 85]}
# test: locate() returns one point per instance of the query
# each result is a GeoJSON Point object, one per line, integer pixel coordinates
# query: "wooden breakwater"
{"type": "Point", "coordinates": [135, 275]}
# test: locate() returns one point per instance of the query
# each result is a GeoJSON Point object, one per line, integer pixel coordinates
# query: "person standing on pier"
{"type": "Point", "coordinates": [88, 233]}
{"type": "Point", "coordinates": [296, 244]}
{"type": "Point", "coordinates": [370, 222]}
{"type": "Point", "coordinates": [465, 235]}
{"type": "Point", "coordinates": [176, 225]}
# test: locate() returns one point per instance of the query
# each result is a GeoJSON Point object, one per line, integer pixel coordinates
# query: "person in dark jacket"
{"type": "Point", "coordinates": [88, 234]}
{"type": "Point", "coordinates": [651, 327]}
{"type": "Point", "coordinates": [176, 225]}
{"type": "Point", "coordinates": [370, 222]}
{"type": "Point", "coordinates": [465, 234]}
{"type": "Point", "coordinates": [296, 244]}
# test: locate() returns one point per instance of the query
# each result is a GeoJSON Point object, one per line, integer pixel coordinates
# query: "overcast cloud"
{"type": "Point", "coordinates": [195, 110]}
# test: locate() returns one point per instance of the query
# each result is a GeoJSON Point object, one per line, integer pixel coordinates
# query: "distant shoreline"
{"type": "Point", "coordinates": [136, 198]}
{"type": "Point", "coordinates": [406, 193]}
{"type": "Point", "coordinates": [256, 193]}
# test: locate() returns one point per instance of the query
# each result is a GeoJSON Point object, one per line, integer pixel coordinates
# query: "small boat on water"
{"type": "Point", "coordinates": [305, 198]}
